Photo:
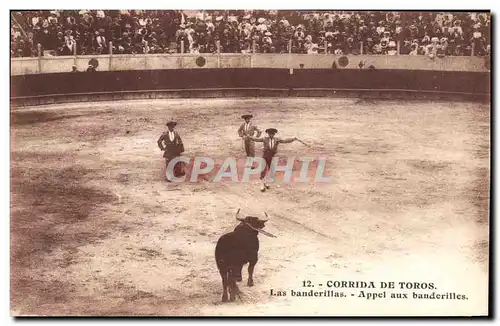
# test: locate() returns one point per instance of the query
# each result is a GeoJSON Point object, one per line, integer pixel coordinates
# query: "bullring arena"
{"type": "Point", "coordinates": [401, 120]}
{"type": "Point", "coordinates": [97, 231]}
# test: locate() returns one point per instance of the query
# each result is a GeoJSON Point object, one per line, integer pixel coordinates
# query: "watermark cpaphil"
{"type": "Point", "coordinates": [293, 169]}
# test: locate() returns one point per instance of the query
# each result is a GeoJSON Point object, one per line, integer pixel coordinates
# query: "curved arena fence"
{"type": "Point", "coordinates": [405, 77]}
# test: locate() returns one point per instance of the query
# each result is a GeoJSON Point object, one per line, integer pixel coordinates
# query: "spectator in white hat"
{"type": "Point", "coordinates": [299, 33]}
{"type": "Point", "coordinates": [261, 27]}
{"type": "Point", "coordinates": [267, 38]}
{"type": "Point", "coordinates": [309, 46]}
{"type": "Point", "coordinates": [284, 22]}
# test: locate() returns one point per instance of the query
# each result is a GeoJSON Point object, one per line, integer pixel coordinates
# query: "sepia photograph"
{"type": "Point", "coordinates": [250, 163]}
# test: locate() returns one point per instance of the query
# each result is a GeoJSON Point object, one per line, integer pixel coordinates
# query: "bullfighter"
{"type": "Point", "coordinates": [270, 150]}
{"type": "Point", "coordinates": [171, 143]}
{"type": "Point", "coordinates": [249, 129]}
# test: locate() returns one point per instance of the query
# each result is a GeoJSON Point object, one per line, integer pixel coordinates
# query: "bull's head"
{"type": "Point", "coordinates": [255, 223]}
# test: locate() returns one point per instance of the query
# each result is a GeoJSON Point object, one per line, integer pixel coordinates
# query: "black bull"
{"type": "Point", "coordinates": [235, 249]}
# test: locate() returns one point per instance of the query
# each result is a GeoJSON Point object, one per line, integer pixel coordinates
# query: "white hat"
{"type": "Point", "coordinates": [246, 17]}
{"type": "Point", "coordinates": [219, 18]}
{"type": "Point", "coordinates": [261, 20]}
{"type": "Point", "coordinates": [268, 34]}
{"type": "Point", "coordinates": [434, 39]}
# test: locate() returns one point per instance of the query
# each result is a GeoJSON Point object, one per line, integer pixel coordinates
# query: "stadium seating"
{"type": "Point", "coordinates": [93, 32]}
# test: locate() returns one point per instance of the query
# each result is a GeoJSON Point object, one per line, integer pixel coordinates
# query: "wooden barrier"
{"type": "Point", "coordinates": [251, 81]}
{"type": "Point", "coordinates": [113, 62]}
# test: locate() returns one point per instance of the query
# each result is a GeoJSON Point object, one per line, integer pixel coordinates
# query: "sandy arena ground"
{"type": "Point", "coordinates": [95, 230]}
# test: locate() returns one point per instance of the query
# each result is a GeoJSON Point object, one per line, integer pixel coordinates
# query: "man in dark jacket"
{"type": "Point", "coordinates": [171, 143]}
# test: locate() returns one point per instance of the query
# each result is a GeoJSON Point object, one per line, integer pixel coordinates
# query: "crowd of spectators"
{"type": "Point", "coordinates": [64, 32]}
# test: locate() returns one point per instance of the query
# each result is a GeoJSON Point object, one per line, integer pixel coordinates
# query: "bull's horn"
{"type": "Point", "coordinates": [266, 216]}
{"type": "Point", "coordinates": [238, 218]}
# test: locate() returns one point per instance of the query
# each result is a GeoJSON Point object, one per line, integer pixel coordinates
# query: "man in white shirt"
{"type": "Point", "coordinates": [100, 41]}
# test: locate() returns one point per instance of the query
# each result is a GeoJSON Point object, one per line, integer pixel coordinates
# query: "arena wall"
{"type": "Point", "coordinates": [27, 66]}
{"type": "Point", "coordinates": [112, 85]}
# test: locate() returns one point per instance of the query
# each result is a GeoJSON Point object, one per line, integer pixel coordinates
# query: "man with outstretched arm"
{"type": "Point", "coordinates": [270, 150]}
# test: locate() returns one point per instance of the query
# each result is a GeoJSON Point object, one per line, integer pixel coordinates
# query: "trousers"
{"type": "Point", "coordinates": [268, 159]}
